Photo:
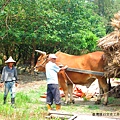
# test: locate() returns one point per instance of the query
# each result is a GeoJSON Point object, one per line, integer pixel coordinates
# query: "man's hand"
{"type": "Point", "coordinates": [16, 84]}
{"type": "Point", "coordinates": [1, 84]}
{"type": "Point", "coordinates": [65, 67]}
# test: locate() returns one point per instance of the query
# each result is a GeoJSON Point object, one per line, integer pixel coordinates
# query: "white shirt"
{"type": "Point", "coordinates": [51, 73]}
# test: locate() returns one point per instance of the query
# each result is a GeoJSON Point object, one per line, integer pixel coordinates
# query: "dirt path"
{"type": "Point", "coordinates": [29, 82]}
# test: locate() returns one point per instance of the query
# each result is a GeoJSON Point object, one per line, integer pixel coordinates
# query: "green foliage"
{"type": "Point", "coordinates": [71, 26]}
{"type": "Point", "coordinates": [23, 98]}
{"type": "Point", "coordinates": [107, 9]}
{"type": "Point", "coordinates": [93, 107]}
{"type": "Point", "coordinates": [66, 25]}
{"type": "Point", "coordinates": [27, 107]}
{"type": "Point", "coordinates": [111, 99]}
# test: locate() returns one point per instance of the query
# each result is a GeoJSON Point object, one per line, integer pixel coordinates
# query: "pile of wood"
{"type": "Point", "coordinates": [110, 44]}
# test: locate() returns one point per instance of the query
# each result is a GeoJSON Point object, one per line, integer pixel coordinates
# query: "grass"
{"type": "Point", "coordinates": [29, 106]}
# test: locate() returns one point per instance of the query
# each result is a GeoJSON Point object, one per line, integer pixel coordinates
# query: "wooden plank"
{"type": "Point", "coordinates": [61, 115]}
{"type": "Point", "coordinates": [86, 71]}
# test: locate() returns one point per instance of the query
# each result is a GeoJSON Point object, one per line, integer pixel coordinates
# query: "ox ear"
{"type": "Point", "coordinates": [41, 52]}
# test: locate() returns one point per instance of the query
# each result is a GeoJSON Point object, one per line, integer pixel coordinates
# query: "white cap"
{"type": "Point", "coordinates": [10, 60]}
{"type": "Point", "coordinates": [52, 56]}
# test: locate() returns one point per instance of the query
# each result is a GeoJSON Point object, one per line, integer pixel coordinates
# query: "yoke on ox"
{"type": "Point", "coordinates": [91, 61]}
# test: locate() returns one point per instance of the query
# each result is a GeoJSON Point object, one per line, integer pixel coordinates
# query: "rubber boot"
{"type": "Point", "coordinates": [49, 107]}
{"type": "Point", "coordinates": [4, 102]}
{"type": "Point", "coordinates": [13, 102]}
{"type": "Point", "coordinates": [58, 107]}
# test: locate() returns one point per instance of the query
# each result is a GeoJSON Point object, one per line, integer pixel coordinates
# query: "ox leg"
{"type": "Point", "coordinates": [66, 96]}
{"type": "Point", "coordinates": [65, 90]}
{"type": "Point", "coordinates": [70, 91]}
{"type": "Point", "coordinates": [103, 90]}
{"type": "Point", "coordinates": [63, 84]}
{"type": "Point", "coordinates": [99, 97]}
{"type": "Point", "coordinates": [109, 84]}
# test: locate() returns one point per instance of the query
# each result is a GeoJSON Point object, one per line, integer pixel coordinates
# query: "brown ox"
{"type": "Point", "coordinates": [92, 61]}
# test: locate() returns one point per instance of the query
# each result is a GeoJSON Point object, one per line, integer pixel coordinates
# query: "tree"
{"type": "Point", "coordinates": [71, 26]}
{"type": "Point", "coordinates": [106, 9]}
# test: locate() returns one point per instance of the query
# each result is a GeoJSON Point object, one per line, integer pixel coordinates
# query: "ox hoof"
{"type": "Point", "coordinates": [67, 102]}
{"type": "Point", "coordinates": [73, 101]}
{"type": "Point", "coordinates": [104, 104]}
{"type": "Point", "coordinates": [97, 102]}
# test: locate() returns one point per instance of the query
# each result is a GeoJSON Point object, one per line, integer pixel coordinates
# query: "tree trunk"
{"type": "Point", "coordinates": [33, 58]}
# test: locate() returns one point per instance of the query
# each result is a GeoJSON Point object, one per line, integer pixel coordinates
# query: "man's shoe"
{"type": "Point", "coordinates": [49, 107]}
{"type": "Point", "coordinates": [58, 107]}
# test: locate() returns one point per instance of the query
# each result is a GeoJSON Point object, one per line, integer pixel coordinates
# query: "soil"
{"type": "Point", "coordinates": [28, 82]}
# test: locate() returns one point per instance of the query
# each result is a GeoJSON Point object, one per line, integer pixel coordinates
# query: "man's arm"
{"type": "Point", "coordinates": [15, 75]}
{"type": "Point", "coordinates": [3, 75]}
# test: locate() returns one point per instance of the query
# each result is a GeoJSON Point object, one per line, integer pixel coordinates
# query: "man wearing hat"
{"type": "Point", "coordinates": [9, 80]}
{"type": "Point", "coordinates": [53, 92]}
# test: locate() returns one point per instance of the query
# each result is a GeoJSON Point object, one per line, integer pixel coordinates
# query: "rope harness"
{"type": "Point", "coordinates": [42, 65]}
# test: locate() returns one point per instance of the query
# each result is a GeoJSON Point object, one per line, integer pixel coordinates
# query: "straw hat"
{"type": "Point", "coordinates": [10, 60]}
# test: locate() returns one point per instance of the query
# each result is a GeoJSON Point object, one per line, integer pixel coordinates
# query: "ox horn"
{"type": "Point", "coordinates": [41, 52]}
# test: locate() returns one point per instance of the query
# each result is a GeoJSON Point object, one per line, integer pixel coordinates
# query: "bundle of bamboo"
{"type": "Point", "coordinates": [110, 44]}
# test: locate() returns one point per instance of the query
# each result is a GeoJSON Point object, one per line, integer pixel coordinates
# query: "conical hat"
{"type": "Point", "coordinates": [10, 60]}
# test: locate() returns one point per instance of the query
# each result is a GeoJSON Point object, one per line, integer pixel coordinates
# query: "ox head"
{"type": "Point", "coordinates": [41, 61]}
